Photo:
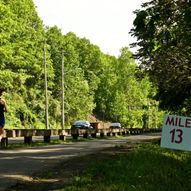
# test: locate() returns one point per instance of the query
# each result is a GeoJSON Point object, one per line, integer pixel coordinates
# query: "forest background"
{"type": "Point", "coordinates": [115, 89]}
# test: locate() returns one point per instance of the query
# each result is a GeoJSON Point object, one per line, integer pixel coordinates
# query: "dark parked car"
{"type": "Point", "coordinates": [115, 125]}
{"type": "Point", "coordinates": [81, 125]}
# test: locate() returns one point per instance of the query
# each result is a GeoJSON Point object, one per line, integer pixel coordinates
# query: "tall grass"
{"type": "Point", "coordinates": [146, 168]}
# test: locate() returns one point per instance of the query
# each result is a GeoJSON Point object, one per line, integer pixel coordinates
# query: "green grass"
{"type": "Point", "coordinates": [146, 168]}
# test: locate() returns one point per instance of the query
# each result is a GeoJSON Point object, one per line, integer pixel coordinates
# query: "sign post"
{"type": "Point", "coordinates": [176, 132]}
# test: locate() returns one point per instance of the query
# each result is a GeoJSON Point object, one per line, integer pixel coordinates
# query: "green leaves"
{"type": "Point", "coordinates": [21, 57]}
{"type": "Point", "coordinates": [139, 21]}
{"type": "Point", "coordinates": [163, 30]}
{"type": "Point", "coordinates": [93, 81]}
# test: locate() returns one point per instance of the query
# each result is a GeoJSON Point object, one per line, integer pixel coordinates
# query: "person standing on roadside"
{"type": "Point", "coordinates": [3, 108]}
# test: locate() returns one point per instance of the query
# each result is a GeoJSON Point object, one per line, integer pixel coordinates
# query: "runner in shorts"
{"type": "Point", "coordinates": [3, 108]}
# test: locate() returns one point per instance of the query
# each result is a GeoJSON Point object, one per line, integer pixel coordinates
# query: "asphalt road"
{"type": "Point", "coordinates": [20, 163]}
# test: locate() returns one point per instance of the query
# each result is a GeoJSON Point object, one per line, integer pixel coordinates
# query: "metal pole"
{"type": "Point", "coordinates": [45, 78]}
{"type": "Point", "coordinates": [62, 90]}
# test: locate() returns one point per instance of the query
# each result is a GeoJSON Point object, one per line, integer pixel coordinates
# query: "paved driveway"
{"type": "Point", "coordinates": [16, 164]}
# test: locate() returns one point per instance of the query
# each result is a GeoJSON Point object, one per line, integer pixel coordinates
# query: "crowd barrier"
{"type": "Point", "coordinates": [62, 133]}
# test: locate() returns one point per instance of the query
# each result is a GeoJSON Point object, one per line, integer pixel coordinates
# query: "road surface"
{"type": "Point", "coordinates": [20, 163]}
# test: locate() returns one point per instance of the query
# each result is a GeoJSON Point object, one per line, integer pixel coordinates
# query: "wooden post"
{"type": "Point", "coordinates": [47, 138]}
{"type": "Point", "coordinates": [93, 135]}
{"type": "Point", "coordinates": [62, 137]}
{"type": "Point", "coordinates": [4, 142]}
{"type": "Point", "coordinates": [75, 136]}
{"type": "Point", "coordinates": [28, 140]}
{"type": "Point", "coordinates": [85, 135]}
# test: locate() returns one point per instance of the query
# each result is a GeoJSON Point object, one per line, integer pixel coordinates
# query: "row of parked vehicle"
{"type": "Point", "coordinates": [88, 125]}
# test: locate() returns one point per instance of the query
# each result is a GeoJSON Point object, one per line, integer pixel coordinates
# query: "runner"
{"type": "Point", "coordinates": [3, 108]}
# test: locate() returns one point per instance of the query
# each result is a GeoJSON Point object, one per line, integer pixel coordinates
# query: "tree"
{"type": "Point", "coordinates": [163, 30]}
{"type": "Point", "coordinates": [104, 83]}
{"type": "Point", "coordinates": [121, 93]}
{"type": "Point", "coordinates": [79, 94]}
{"type": "Point", "coordinates": [21, 60]}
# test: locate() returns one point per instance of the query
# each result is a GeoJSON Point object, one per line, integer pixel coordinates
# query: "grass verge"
{"type": "Point", "coordinates": [146, 168]}
{"type": "Point", "coordinates": [143, 167]}
{"type": "Point", "coordinates": [52, 142]}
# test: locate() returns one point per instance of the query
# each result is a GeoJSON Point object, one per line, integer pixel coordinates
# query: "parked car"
{"type": "Point", "coordinates": [81, 125]}
{"type": "Point", "coordinates": [115, 125]}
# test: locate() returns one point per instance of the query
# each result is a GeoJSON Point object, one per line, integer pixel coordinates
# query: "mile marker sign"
{"type": "Point", "coordinates": [176, 132]}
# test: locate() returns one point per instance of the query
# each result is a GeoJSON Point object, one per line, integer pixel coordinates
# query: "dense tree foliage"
{"type": "Point", "coordinates": [163, 31]}
{"type": "Point", "coordinates": [21, 61]}
{"type": "Point", "coordinates": [114, 88]}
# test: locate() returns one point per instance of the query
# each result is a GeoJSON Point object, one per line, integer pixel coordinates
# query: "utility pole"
{"type": "Point", "coordinates": [62, 90]}
{"type": "Point", "coordinates": [45, 78]}
{"type": "Point", "coordinates": [155, 115]}
{"type": "Point", "coordinates": [148, 113]}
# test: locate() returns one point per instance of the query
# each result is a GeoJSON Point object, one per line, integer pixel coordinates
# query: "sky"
{"type": "Point", "coordinates": [106, 23]}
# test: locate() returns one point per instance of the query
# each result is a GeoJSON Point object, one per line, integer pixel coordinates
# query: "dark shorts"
{"type": "Point", "coordinates": [2, 121]}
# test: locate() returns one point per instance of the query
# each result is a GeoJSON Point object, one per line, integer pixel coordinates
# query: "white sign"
{"type": "Point", "coordinates": [176, 132]}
